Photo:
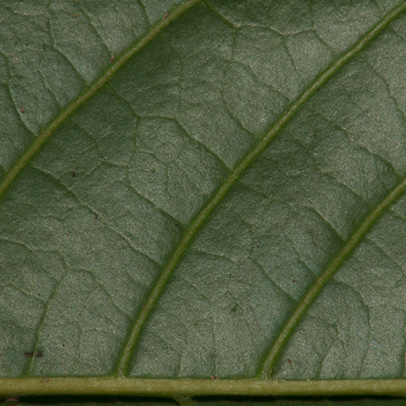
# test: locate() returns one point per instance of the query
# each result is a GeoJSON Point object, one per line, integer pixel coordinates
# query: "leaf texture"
{"type": "Point", "coordinates": [211, 188]}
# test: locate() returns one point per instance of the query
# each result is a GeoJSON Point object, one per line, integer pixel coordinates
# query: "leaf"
{"type": "Point", "coordinates": [208, 190]}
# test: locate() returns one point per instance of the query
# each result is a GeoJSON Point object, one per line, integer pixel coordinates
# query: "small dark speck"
{"type": "Point", "coordinates": [22, 110]}
{"type": "Point", "coordinates": [112, 58]}
{"type": "Point", "coordinates": [73, 174]}
{"type": "Point", "coordinates": [38, 354]}
{"type": "Point", "coordinates": [294, 280]}
{"type": "Point", "coordinates": [176, 224]}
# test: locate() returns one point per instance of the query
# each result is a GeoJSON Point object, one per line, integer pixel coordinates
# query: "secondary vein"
{"type": "Point", "coordinates": [354, 240]}
{"type": "Point", "coordinates": [88, 93]}
{"type": "Point", "coordinates": [132, 338]}
{"type": "Point", "coordinates": [326, 275]}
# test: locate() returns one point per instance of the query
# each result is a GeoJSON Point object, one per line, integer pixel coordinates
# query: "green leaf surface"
{"type": "Point", "coordinates": [203, 189]}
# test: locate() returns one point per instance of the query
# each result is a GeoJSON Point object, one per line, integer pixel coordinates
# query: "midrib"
{"type": "Point", "coordinates": [132, 338]}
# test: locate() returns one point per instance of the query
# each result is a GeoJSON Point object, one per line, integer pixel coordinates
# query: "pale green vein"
{"type": "Point", "coordinates": [90, 92]}
{"type": "Point", "coordinates": [325, 276]}
{"type": "Point", "coordinates": [182, 389]}
{"type": "Point", "coordinates": [132, 338]}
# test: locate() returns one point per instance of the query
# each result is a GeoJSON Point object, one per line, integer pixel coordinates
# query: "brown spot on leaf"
{"type": "Point", "coordinates": [30, 354]}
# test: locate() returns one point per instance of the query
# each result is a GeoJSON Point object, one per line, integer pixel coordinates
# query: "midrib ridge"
{"type": "Point", "coordinates": [132, 338]}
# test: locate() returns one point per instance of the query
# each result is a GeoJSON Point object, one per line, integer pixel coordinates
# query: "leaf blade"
{"type": "Point", "coordinates": [122, 164]}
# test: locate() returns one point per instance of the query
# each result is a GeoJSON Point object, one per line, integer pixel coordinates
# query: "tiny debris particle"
{"type": "Point", "coordinates": [290, 361]}
{"type": "Point", "coordinates": [165, 17]}
{"type": "Point", "coordinates": [112, 58]}
{"type": "Point", "coordinates": [294, 280]}
{"type": "Point", "coordinates": [73, 174]}
{"type": "Point", "coordinates": [22, 110]}
{"type": "Point", "coordinates": [75, 15]}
